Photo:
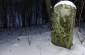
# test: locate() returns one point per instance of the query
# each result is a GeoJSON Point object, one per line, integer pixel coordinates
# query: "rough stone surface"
{"type": "Point", "coordinates": [62, 25]}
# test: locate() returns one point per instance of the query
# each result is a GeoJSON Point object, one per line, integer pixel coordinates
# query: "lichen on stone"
{"type": "Point", "coordinates": [62, 25]}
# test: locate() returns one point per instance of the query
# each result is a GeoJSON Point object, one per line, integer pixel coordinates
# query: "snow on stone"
{"type": "Point", "coordinates": [66, 2]}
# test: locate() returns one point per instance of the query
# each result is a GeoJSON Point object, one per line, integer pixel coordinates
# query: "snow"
{"type": "Point", "coordinates": [36, 41]}
{"type": "Point", "coordinates": [66, 2]}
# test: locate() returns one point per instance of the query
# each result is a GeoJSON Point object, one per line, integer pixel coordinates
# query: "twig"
{"type": "Point", "coordinates": [39, 48]}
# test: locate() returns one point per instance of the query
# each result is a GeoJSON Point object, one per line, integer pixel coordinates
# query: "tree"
{"type": "Point", "coordinates": [49, 10]}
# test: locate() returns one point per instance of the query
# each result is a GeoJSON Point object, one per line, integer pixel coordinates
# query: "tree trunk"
{"type": "Point", "coordinates": [49, 10]}
{"type": "Point", "coordinates": [62, 25]}
{"type": "Point", "coordinates": [48, 7]}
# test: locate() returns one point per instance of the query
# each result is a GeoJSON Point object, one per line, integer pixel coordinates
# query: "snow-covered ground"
{"type": "Point", "coordinates": [37, 41]}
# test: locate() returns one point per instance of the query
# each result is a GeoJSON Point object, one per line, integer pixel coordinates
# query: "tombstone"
{"type": "Point", "coordinates": [63, 24]}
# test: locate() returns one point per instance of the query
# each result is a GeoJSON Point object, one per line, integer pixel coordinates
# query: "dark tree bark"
{"type": "Point", "coordinates": [4, 20]}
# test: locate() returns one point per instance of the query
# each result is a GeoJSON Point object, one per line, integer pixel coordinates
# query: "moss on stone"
{"type": "Point", "coordinates": [62, 25]}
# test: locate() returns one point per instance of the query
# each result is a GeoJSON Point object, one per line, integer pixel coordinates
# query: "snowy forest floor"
{"type": "Point", "coordinates": [37, 41]}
